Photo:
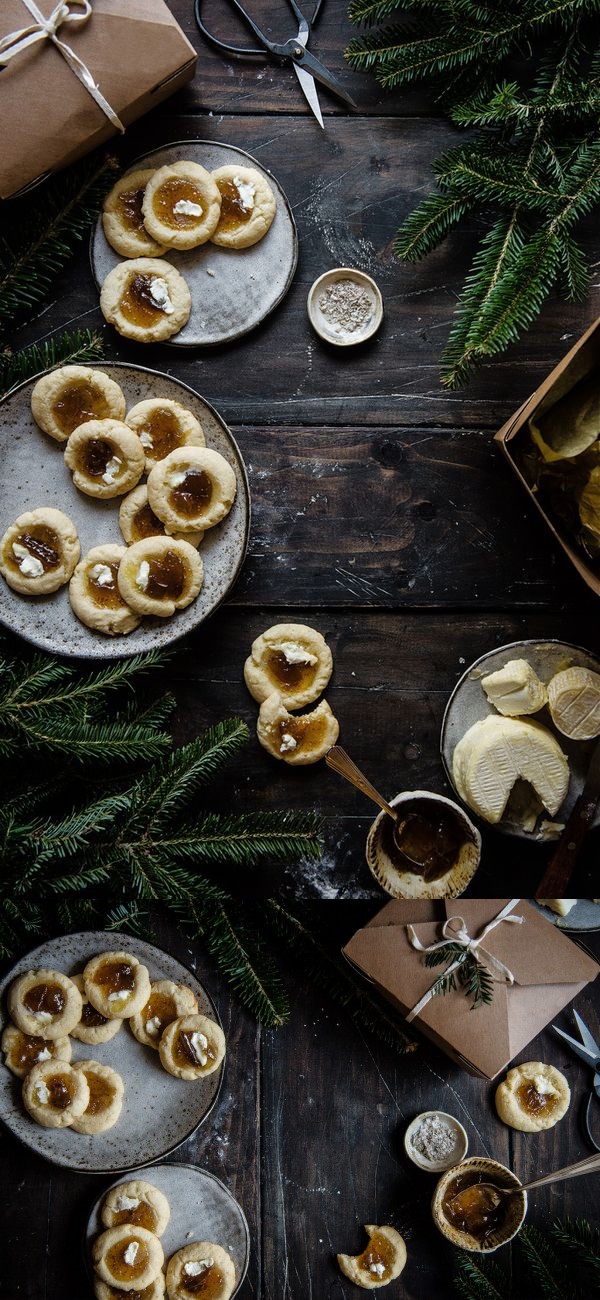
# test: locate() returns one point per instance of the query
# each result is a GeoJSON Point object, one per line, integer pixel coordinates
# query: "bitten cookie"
{"type": "Point", "coordinates": [146, 299]}
{"type": "Point", "coordinates": [293, 660]}
{"type": "Point", "coordinates": [116, 984]}
{"type": "Point", "coordinates": [191, 488]}
{"type": "Point", "coordinates": [160, 575]}
{"type": "Point", "coordinates": [381, 1262]}
{"type": "Point", "coordinates": [92, 1028]}
{"type": "Point", "coordinates": [127, 1257]}
{"type": "Point", "coordinates": [202, 1268]}
{"type": "Point", "coordinates": [156, 1290]}
{"type": "Point", "coordinates": [181, 205]}
{"type": "Point", "coordinates": [39, 552]}
{"type": "Point", "coordinates": [55, 1094]}
{"type": "Point", "coordinates": [532, 1097]}
{"type": "Point", "coordinates": [248, 206]}
{"type": "Point", "coordinates": [123, 219]}
{"type": "Point", "coordinates": [45, 1003]}
{"type": "Point", "coordinates": [106, 1090]}
{"type": "Point", "coordinates": [138, 520]}
{"type": "Point", "coordinates": [192, 1047]}
{"type": "Point", "coordinates": [167, 1002]}
{"type": "Point", "coordinates": [295, 738]}
{"type": "Point", "coordinates": [94, 593]}
{"type": "Point", "coordinates": [23, 1051]}
{"type": "Point", "coordinates": [106, 458]}
{"type": "Point", "coordinates": [137, 1203]}
{"type": "Point", "coordinates": [71, 395]}
{"type": "Point", "coordinates": [162, 426]}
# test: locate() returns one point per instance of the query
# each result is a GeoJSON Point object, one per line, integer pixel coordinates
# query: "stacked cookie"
{"type": "Point", "coordinates": [190, 488]}
{"type": "Point", "coordinates": [178, 207]}
{"type": "Point", "coordinates": [289, 666]}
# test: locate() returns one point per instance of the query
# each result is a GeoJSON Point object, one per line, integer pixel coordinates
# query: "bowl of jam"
{"type": "Point", "coordinates": [432, 851]}
{"type": "Point", "coordinates": [468, 1215]}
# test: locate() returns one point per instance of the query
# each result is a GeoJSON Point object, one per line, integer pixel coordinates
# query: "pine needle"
{"type": "Point", "coordinates": [479, 1278]}
{"type": "Point", "coordinates": [546, 1268]}
{"type": "Point", "coordinates": [72, 348]}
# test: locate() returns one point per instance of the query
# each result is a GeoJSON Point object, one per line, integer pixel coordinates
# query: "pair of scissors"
{"type": "Point", "coordinates": [308, 69]}
{"type": "Point", "coordinates": [587, 1050]}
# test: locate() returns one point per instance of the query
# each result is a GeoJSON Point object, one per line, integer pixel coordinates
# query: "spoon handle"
{"type": "Point", "coordinates": [587, 1166]}
{"type": "Point", "coordinates": [339, 761]}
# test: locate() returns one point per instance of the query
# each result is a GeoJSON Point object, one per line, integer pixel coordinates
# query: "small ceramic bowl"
{"type": "Point", "coordinates": [516, 1206]}
{"type": "Point", "coordinates": [455, 1157]}
{"type": "Point", "coordinates": [325, 329]}
{"type": "Point", "coordinates": [408, 884]}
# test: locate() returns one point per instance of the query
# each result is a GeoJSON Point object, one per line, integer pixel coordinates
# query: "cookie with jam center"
{"type": "Point", "coordinates": [38, 553]}
{"type": "Point", "coordinates": [248, 206]}
{"type": "Point", "coordinates": [94, 592]}
{"type": "Point", "coordinates": [191, 488]}
{"type": "Point", "coordinates": [298, 739]}
{"type": "Point", "coordinates": [71, 395]}
{"type": "Point", "coordinates": [162, 426]}
{"type": "Point", "coordinates": [106, 1089]}
{"type": "Point", "coordinates": [127, 1257]}
{"type": "Point", "coordinates": [192, 1047]}
{"type": "Point", "coordinates": [44, 1003]}
{"type": "Point", "coordinates": [105, 457]}
{"type": "Point", "coordinates": [137, 1203]}
{"type": "Point", "coordinates": [146, 299]}
{"type": "Point", "coordinates": [137, 520]}
{"type": "Point", "coordinates": [116, 984]}
{"type": "Point", "coordinates": [381, 1262]}
{"type": "Point", "coordinates": [23, 1051]}
{"type": "Point", "coordinates": [123, 218]}
{"type": "Point", "coordinates": [159, 575]}
{"type": "Point", "coordinates": [182, 205]}
{"type": "Point", "coordinates": [293, 660]}
{"type": "Point", "coordinates": [201, 1269]}
{"type": "Point", "coordinates": [532, 1097]}
{"type": "Point", "coordinates": [93, 1027]}
{"type": "Point", "coordinates": [55, 1094]}
{"type": "Point", "coordinates": [156, 1290]}
{"type": "Point", "coordinates": [167, 1002]}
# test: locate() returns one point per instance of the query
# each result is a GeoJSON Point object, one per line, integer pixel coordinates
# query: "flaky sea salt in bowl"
{"type": "Point", "coordinates": [435, 1141]}
{"type": "Point", "coordinates": [345, 306]}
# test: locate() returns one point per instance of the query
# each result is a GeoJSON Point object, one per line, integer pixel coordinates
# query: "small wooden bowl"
{"type": "Point", "coordinates": [408, 884]}
{"type": "Point", "coordinates": [320, 323]}
{"type": "Point", "coordinates": [516, 1206]}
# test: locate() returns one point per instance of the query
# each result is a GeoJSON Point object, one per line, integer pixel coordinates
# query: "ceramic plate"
{"type": "Point", "coordinates": [232, 289]}
{"type": "Point", "coordinates": [159, 1112]}
{"type": "Point", "coordinates": [35, 474]}
{"type": "Point", "coordinates": [202, 1209]}
{"type": "Point", "coordinates": [585, 915]}
{"type": "Point", "coordinates": [468, 704]}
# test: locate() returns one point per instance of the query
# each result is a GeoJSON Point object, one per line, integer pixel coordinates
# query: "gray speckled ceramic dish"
{"type": "Point", "coordinates": [202, 1209]}
{"type": "Point", "coordinates": [585, 915]}
{"type": "Point", "coordinates": [159, 1112]}
{"type": "Point", "coordinates": [469, 704]}
{"type": "Point", "coordinates": [35, 474]}
{"type": "Point", "coordinates": [232, 289]}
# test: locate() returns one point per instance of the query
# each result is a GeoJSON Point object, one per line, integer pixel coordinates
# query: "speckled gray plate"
{"type": "Point", "coordinates": [469, 704]}
{"type": "Point", "coordinates": [246, 284]}
{"type": "Point", "coordinates": [35, 474]}
{"type": "Point", "coordinates": [202, 1209]}
{"type": "Point", "coordinates": [585, 915]}
{"type": "Point", "coordinates": [159, 1112]}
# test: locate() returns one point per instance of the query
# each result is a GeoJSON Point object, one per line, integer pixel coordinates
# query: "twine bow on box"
{"type": "Point", "coordinates": [455, 931]}
{"type": "Point", "coordinates": [67, 13]}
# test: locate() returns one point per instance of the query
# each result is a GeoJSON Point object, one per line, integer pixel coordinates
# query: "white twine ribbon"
{"type": "Point", "coordinates": [46, 29]}
{"type": "Point", "coordinates": [497, 969]}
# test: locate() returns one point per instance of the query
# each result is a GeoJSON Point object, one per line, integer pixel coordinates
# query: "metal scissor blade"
{"type": "Point", "coordinates": [586, 1037]}
{"type": "Point", "coordinates": [586, 1054]}
{"type": "Point", "coordinates": [309, 90]}
{"type": "Point", "coordinates": [307, 62]}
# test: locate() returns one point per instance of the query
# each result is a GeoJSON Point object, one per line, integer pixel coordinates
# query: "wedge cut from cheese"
{"type": "Point", "coordinates": [515, 689]}
{"type": "Point", "coordinates": [562, 906]}
{"type": "Point", "coordinates": [496, 752]}
{"type": "Point", "coordinates": [574, 700]}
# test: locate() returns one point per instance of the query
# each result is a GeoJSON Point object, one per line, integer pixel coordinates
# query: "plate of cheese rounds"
{"type": "Point", "coordinates": [112, 1052]}
{"type": "Point", "coordinates": [125, 510]}
{"type": "Point", "coordinates": [518, 735]}
{"type": "Point", "coordinates": [195, 246]}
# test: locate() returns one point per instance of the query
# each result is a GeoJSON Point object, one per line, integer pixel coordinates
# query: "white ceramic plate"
{"type": "Point", "coordinates": [585, 915]}
{"type": "Point", "coordinates": [232, 289]}
{"type": "Point", "coordinates": [159, 1112]}
{"type": "Point", "coordinates": [35, 474]}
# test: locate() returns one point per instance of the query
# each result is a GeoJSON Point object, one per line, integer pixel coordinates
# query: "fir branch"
{"type": "Point", "coordinates": [580, 1241]}
{"type": "Point", "coordinates": [545, 1266]}
{"type": "Point", "coordinates": [72, 348]}
{"type": "Point", "coordinates": [479, 1278]}
{"type": "Point", "coordinates": [241, 955]}
{"type": "Point", "coordinates": [474, 978]}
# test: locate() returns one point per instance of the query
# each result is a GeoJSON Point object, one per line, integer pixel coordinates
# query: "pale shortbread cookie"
{"type": "Point", "coordinates": [192, 1047]}
{"type": "Point", "coordinates": [39, 551]}
{"type": "Point", "coordinates": [167, 1002]}
{"type": "Point", "coordinates": [138, 520]}
{"type": "Point", "coordinates": [130, 1257]}
{"type": "Point", "coordinates": [381, 1262]}
{"type": "Point", "coordinates": [159, 575]}
{"type": "Point", "coordinates": [67, 397]}
{"type": "Point", "coordinates": [146, 299]}
{"type": "Point", "coordinates": [55, 1094]}
{"type": "Point", "coordinates": [138, 1203]}
{"type": "Point", "coordinates": [248, 206]}
{"type": "Point", "coordinates": [205, 1260]}
{"type": "Point", "coordinates": [23, 1051]}
{"type": "Point", "coordinates": [94, 593]}
{"type": "Point", "coordinates": [298, 739]}
{"type": "Point", "coordinates": [156, 1290]}
{"type": "Point", "coordinates": [162, 426]}
{"type": "Point", "coordinates": [532, 1097]}
{"type": "Point", "coordinates": [105, 457]}
{"type": "Point", "coordinates": [93, 1027]}
{"type": "Point", "coordinates": [123, 219]}
{"type": "Point", "coordinates": [181, 205]}
{"type": "Point", "coordinates": [116, 984]}
{"type": "Point", "coordinates": [292, 659]}
{"type": "Point", "coordinates": [45, 1003]}
{"type": "Point", "coordinates": [106, 1090]}
{"type": "Point", "coordinates": [192, 488]}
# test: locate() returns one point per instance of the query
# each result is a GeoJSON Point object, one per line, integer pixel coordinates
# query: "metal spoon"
{"type": "Point", "coordinates": [494, 1194]}
{"type": "Point", "coordinates": [339, 761]}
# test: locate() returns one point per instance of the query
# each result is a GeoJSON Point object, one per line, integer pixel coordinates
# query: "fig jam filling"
{"type": "Point", "coordinates": [161, 434]}
{"type": "Point", "coordinates": [162, 1008]}
{"type": "Point", "coordinates": [77, 402]}
{"type": "Point", "coordinates": [303, 732]}
{"type": "Point", "coordinates": [137, 303]}
{"type": "Point", "coordinates": [115, 977]}
{"type": "Point", "coordinates": [28, 1051]}
{"type": "Point", "coordinates": [90, 1017]}
{"type": "Point", "coordinates": [192, 496]}
{"type": "Point", "coordinates": [146, 524]}
{"type": "Point", "coordinates": [142, 1216]}
{"type": "Point", "coordinates": [207, 1284]}
{"type": "Point", "coordinates": [117, 1264]}
{"type": "Point", "coordinates": [95, 455]}
{"type": "Point", "coordinates": [61, 1092]}
{"type": "Point", "coordinates": [378, 1258]}
{"type": "Point", "coordinates": [184, 1052]}
{"type": "Point", "coordinates": [175, 191]}
{"type": "Point", "coordinates": [233, 211]}
{"type": "Point", "coordinates": [44, 997]}
{"type": "Point", "coordinates": [166, 579]}
{"type": "Point", "coordinates": [105, 593]}
{"type": "Point", "coordinates": [426, 840]}
{"type": "Point", "coordinates": [534, 1102]}
{"type": "Point", "coordinates": [101, 1094]}
{"type": "Point", "coordinates": [43, 544]}
{"type": "Point", "coordinates": [474, 1214]}
{"type": "Point", "coordinates": [297, 675]}
{"type": "Point", "coordinates": [130, 209]}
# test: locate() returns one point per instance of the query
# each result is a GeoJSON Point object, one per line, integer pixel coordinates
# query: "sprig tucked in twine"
{"type": "Point", "coordinates": [477, 969]}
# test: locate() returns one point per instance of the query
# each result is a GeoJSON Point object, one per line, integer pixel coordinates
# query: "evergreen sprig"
{"type": "Point", "coordinates": [561, 1264]}
{"type": "Point", "coordinates": [472, 977]}
{"type": "Point", "coordinates": [531, 174]}
{"type": "Point", "coordinates": [71, 348]}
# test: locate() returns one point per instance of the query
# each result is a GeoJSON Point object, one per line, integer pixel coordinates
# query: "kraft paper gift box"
{"type": "Point", "coordinates": [136, 54]}
{"type": "Point", "coordinates": [549, 971]}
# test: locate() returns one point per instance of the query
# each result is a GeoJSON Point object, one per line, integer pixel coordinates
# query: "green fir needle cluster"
{"type": "Point", "coordinates": [472, 977]}
{"type": "Point", "coordinates": [559, 1263]}
{"type": "Point", "coordinates": [525, 77]}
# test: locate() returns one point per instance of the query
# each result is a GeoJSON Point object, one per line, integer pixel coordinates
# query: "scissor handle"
{"type": "Point", "coordinates": [248, 51]}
